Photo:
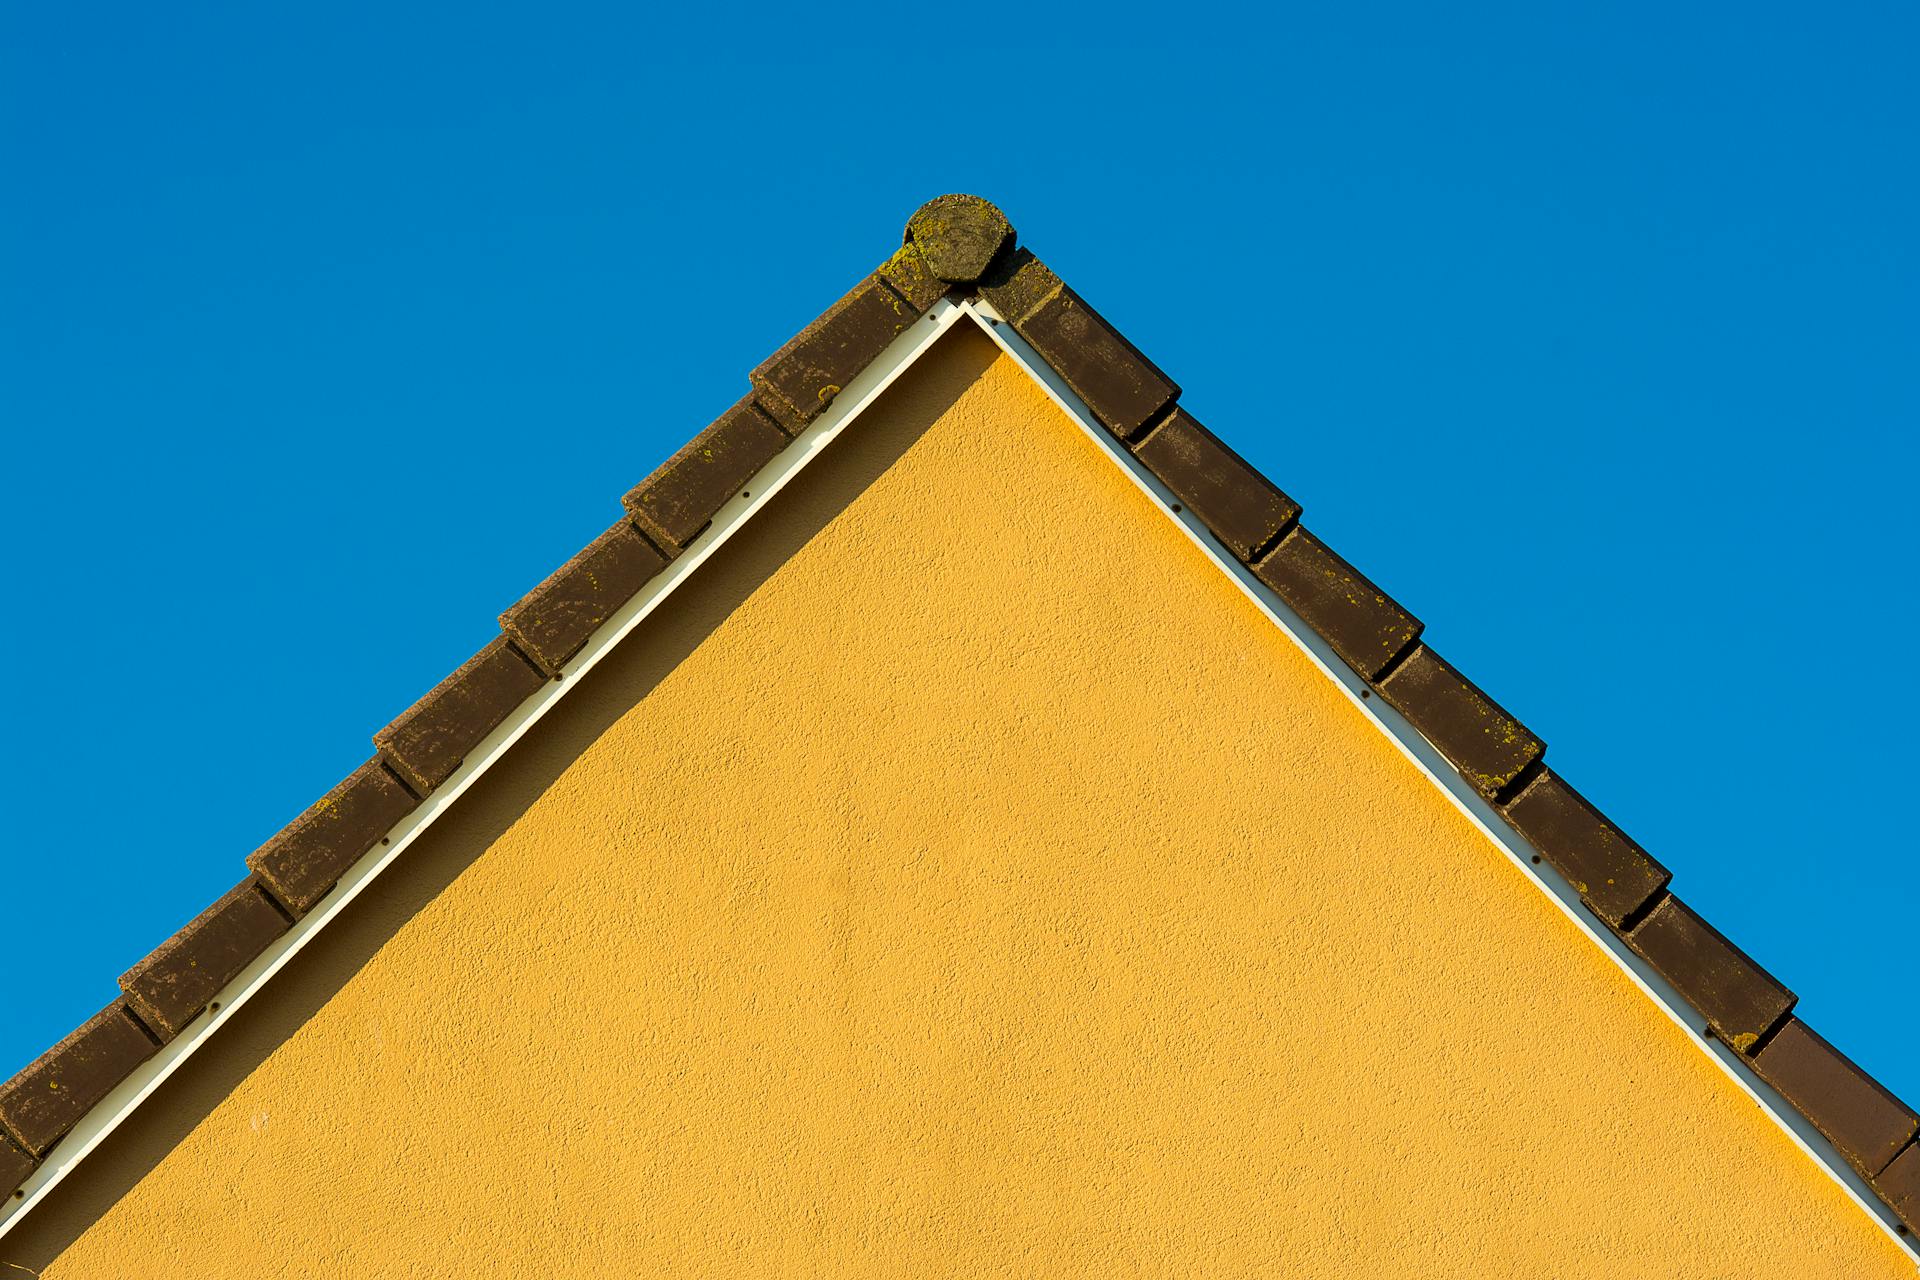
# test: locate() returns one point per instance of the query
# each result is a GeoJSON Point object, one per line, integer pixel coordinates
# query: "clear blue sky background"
{"type": "Point", "coordinates": [1591, 337]}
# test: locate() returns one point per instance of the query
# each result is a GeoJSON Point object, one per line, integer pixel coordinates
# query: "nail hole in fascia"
{"type": "Point", "coordinates": [1366, 693]}
{"type": "Point", "coordinates": [1176, 508]}
{"type": "Point", "coordinates": [214, 1007]}
{"type": "Point", "coordinates": [19, 1195]}
{"type": "Point", "coordinates": [746, 493]}
{"type": "Point", "coordinates": [385, 840]}
{"type": "Point", "coordinates": [1536, 859]}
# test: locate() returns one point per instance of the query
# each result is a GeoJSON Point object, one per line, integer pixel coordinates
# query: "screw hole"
{"type": "Point", "coordinates": [385, 840]}
{"type": "Point", "coordinates": [19, 1195]}
{"type": "Point", "coordinates": [1176, 508]}
{"type": "Point", "coordinates": [1536, 859]}
{"type": "Point", "coordinates": [746, 493]}
{"type": "Point", "coordinates": [214, 1007]}
{"type": "Point", "coordinates": [1366, 693]}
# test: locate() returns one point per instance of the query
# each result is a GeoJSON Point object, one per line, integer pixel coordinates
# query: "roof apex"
{"type": "Point", "coordinates": [959, 236]}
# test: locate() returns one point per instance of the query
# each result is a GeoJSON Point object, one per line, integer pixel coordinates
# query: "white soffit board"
{"type": "Point", "coordinates": [861, 392]}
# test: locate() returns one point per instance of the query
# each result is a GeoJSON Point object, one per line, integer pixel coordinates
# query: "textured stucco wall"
{"type": "Point", "coordinates": [959, 877]}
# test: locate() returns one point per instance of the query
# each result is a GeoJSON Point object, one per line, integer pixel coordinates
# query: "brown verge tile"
{"type": "Point", "coordinates": [678, 500]}
{"type": "Point", "coordinates": [1017, 284]}
{"type": "Point", "coordinates": [15, 1165]}
{"type": "Point", "coordinates": [959, 236]}
{"type": "Point", "coordinates": [1866, 1123]}
{"type": "Point", "coordinates": [553, 620]}
{"type": "Point", "coordinates": [907, 273]}
{"type": "Point", "coordinates": [1362, 623]}
{"type": "Point", "coordinates": [797, 382]}
{"type": "Point", "coordinates": [1899, 1185]}
{"type": "Point", "coordinates": [1242, 508]}
{"type": "Point", "coordinates": [45, 1100]}
{"type": "Point", "coordinates": [1614, 876]}
{"type": "Point", "coordinates": [313, 851]}
{"type": "Point", "coordinates": [430, 739]}
{"type": "Point", "coordinates": [1740, 1000]}
{"type": "Point", "coordinates": [1488, 746]}
{"type": "Point", "coordinates": [1125, 390]}
{"type": "Point", "coordinates": [174, 983]}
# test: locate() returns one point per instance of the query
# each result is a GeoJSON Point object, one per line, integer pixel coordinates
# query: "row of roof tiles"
{"type": "Point", "coordinates": [962, 244]}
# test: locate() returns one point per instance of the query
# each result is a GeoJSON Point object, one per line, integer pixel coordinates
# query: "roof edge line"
{"type": "Point", "coordinates": [1477, 808]}
{"type": "Point", "coordinates": [105, 1116]}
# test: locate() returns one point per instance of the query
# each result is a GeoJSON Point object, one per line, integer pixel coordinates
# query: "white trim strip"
{"type": "Point", "coordinates": [861, 392]}
{"type": "Point", "coordinates": [1431, 762]}
{"type": "Point", "coordinates": [109, 1112]}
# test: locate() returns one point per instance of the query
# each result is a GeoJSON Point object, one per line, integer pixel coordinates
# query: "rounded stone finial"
{"type": "Point", "coordinates": [958, 236]}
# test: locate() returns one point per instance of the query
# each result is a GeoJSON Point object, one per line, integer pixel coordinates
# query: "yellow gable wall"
{"type": "Point", "coordinates": [957, 877]}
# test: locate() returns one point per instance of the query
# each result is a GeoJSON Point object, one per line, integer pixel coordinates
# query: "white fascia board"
{"type": "Point", "coordinates": [1431, 762]}
{"type": "Point", "coordinates": [110, 1111]}
{"type": "Point", "coordinates": [861, 392]}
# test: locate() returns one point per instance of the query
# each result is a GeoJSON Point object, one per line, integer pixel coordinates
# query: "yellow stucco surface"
{"type": "Point", "coordinates": [957, 877]}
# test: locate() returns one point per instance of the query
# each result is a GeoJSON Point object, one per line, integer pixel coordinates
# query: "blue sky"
{"type": "Point", "coordinates": [1590, 336]}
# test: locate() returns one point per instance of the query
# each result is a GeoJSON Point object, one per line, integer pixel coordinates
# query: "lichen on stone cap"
{"type": "Point", "coordinates": [959, 236]}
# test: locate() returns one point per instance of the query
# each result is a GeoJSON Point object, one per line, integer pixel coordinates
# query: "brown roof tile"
{"type": "Point", "coordinates": [1123, 388]}
{"type": "Point", "coordinates": [798, 382]}
{"type": "Point", "coordinates": [1899, 1185]}
{"type": "Point", "coordinates": [1740, 1000]}
{"type": "Point", "coordinates": [1242, 507]}
{"type": "Point", "coordinates": [430, 739]}
{"type": "Point", "coordinates": [908, 275]}
{"type": "Point", "coordinates": [553, 620]}
{"type": "Point", "coordinates": [1864, 1122]}
{"type": "Point", "coordinates": [313, 851]}
{"type": "Point", "coordinates": [1489, 747]}
{"type": "Point", "coordinates": [39, 1105]}
{"type": "Point", "coordinates": [15, 1165]}
{"type": "Point", "coordinates": [678, 500]}
{"type": "Point", "coordinates": [951, 242]}
{"type": "Point", "coordinates": [1612, 874]}
{"type": "Point", "coordinates": [1360, 621]}
{"type": "Point", "coordinates": [177, 979]}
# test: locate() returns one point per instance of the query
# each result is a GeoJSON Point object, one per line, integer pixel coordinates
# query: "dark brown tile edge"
{"type": "Point", "coordinates": [431, 739]}
{"type": "Point", "coordinates": [1126, 391]}
{"type": "Point", "coordinates": [1478, 737]}
{"type": "Point", "coordinates": [678, 500]}
{"type": "Point", "coordinates": [1614, 876]}
{"type": "Point", "coordinates": [15, 1166]}
{"type": "Point", "coordinates": [1741, 1002]}
{"type": "Point", "coordinates": [1365, 627]}
{"type": "Point", "coordinates": [1245, 511]}
{"type": "Point", "coordinates": [170, 987]}
{"type": "Point", "coordinates": [1865, 1123]}
{"type": "Point", "coordinates": [796, 383]}
{"type": "Point", "coordinates": [551, 622]}
{"type": "Point", "coordinates": [52, 1092]}
{"type": "Point", "coordinates": [1899, 1185]}
{"type": "Point", "coordinates": [313, 851]}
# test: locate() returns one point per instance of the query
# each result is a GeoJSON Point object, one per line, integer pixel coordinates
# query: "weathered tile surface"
{"type": "Point", "coordinates": [311, 853]}
{"type": "Point", "coordinates": [178, 978]}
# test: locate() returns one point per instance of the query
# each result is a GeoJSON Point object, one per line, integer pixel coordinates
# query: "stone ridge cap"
{"type": "Point", "coordinates": [961, 245]}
